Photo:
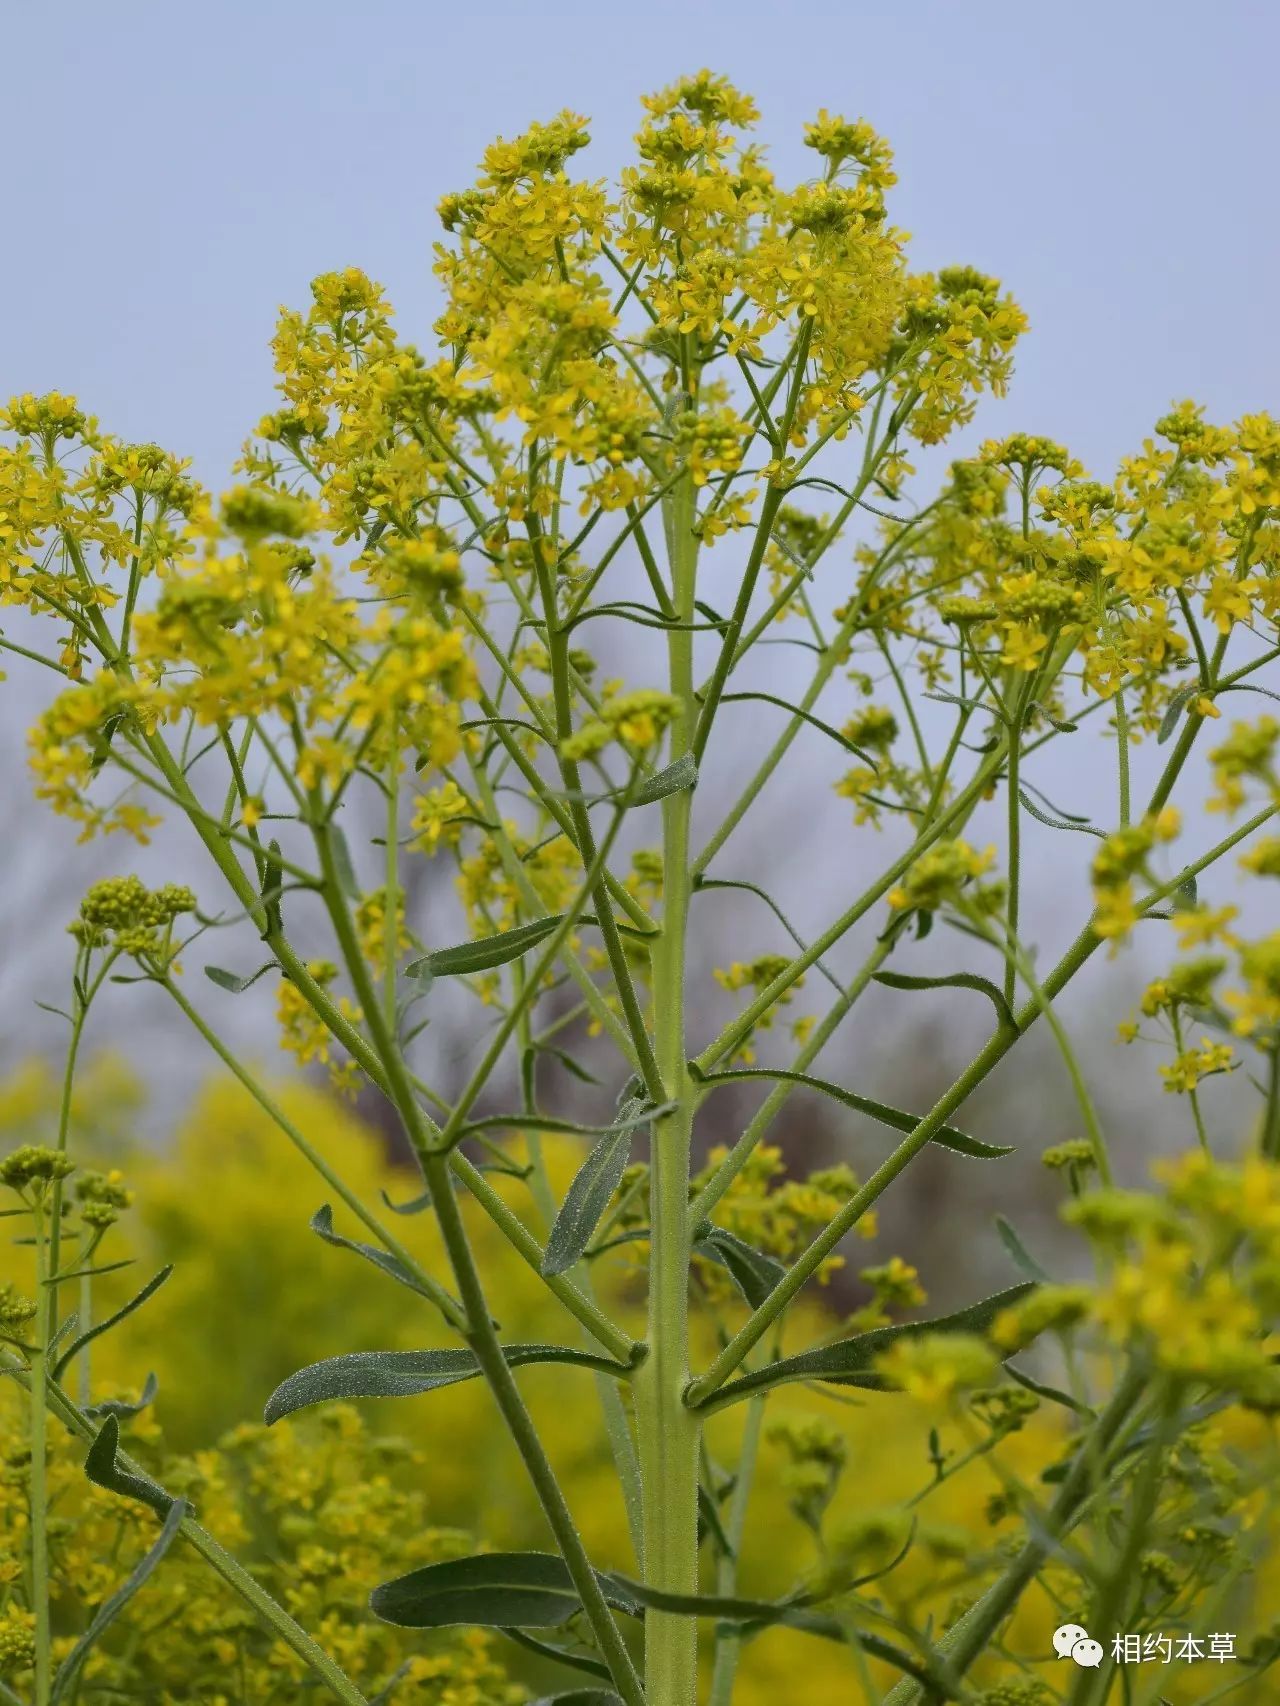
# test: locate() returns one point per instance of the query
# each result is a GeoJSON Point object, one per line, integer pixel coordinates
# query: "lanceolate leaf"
{"type": "Point", "coordinates": [533, 1590]}
{"type": "Point", "coordinates": [121, 1408]}
{"type": "Point", "coordinates": [1047, 803]}
{"type": "Point", "coordinates": [1057, 822]}
{"type": "Point", "coordinates": [488, 952]}
{"type": "Point", "coordinates": [346, 870]}
{"type": "Point", "coordinates": [701, 882]}
{"type": "Point", "coordinates": [1021, 1257]}
{"type": "Point", "coordinates": [272, 889]}
{"type": "Point", "coordinates": [103, 1468]}
{"type": "Point", "coordinates": [956, 980]}
{"type": "Point", "coordinates": [588, 1196]}
{"type": "Point", "coordinates": [754, 1273]}
{"type": "Point", "coordinates": [752, 1614]}
{"type": "Point", "coordinates": [526, 1590]}
{"type": "Point", "coordinates": [673, 780]}
{"type": "Point", "coordinates": [237, 985]}
{"type": "Point", "coordinates": [322, 1226]}
{"type": "Point", "coordinates": [641, 1114]}
{"type": "Point", "coordinates": [77, 1345]}
{"type": "Point", "coordinates": [406, 1374]}
{"type": "Point", "coordinates": [806, 717]}
{"type": "Point", "coordinates": [580, 1697]}
{"type": "Point", "coordinates": [1052, 1393]}
{"type": "Point", "coordinates": [111, 1608]}
{"type": "Point", "coordinates": [1248, 687]}
{"type": "Point", "coordinates": [948, 1136]}
{"type": "Point", "coordinates": [849, 1362]}
{"type": "Point", "coordinates": [1170, 719]}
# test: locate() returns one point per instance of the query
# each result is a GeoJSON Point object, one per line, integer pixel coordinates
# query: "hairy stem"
{"type": "Point", "coordinates": [669, 1434]}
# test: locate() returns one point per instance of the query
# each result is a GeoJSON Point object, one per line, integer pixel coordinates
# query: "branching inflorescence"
{"type": "Point", "coordinates": [398, 602]}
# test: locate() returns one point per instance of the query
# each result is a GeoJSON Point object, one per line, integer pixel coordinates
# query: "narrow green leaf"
{"type": "Point", "coordinates": [488, 952]}
{"type": "Point", "coordinates": [643, 615]}
{"type": "Point", "coordinates": [570, 1658]}
{"type": "Point", "coordinates": [1052, 1393]}
{"type": "Point", "coordinates": [754, 1273]}
{"type": "Point", "coordinates": [103, 1468]}
{"type": "Point", "coordinates": [1249, 687]}
{"type": "Point", "coordinates": [1021, 1257]}
{"type": "Point", "coordinates": [230, 981]}
{"type": "Point", "coordinates": [347, 879]}
{"type": "Point", "coordinates": [709, 1523]}
{"type": "Point", "coordinates": [322, 1226]}
{"type": "Point", "coordinates": [701, 882]}
{"type": "Point", "coordinates": [135, 1302]}
{"type": "Point", "coordinates": [111, 1608]}
{"type": "Point", "coordinates": [580, 1697]}
{"type": "Point", "coordinates": [89, 1273]}
{"type": "Point", "coordinates": [120, 1408]}
{"type": "Point", "coordinates": [949, 1137]}
{"type": "Point", "coordinates": [682, 774]}
{"type": "Point", "coordinates": [66, 1329]}
{"type": "Point", "coordinates": [415, 1205]}
{"type": "Point", "coordinates": [527, 1590]}
{"type": "Point", "coordinates": [753, 1614]}
{"type": "Point", "coordinates": [1063, 725]}
{"type": "Point", "coordinates": [588, 1196]}
{"type": "Point", "coordinates": [407, 1374]}
{"type": "Point", "coordinates": [956, 980]}
{"type": "Point", "coordinates": [849, 1362]}
{"type": "Point", "coordinates": [957, 699]}
{"type": "Point", "coordinates": [1169, 721]}
{"type": "Point", "coordinates": [643, 1114]}
{"type": "Point", "coordinates": [806, 717]}
{"type": "Point", "coordinates": [1047, 803]}
{"type": "Point", "coordinates": [487, 723]}
{"type": "Point", "coordinates": [570, 1065]}
{"type": "Point", "coordinates": [1057, 822]}
{"type": "Point", "coordinates": [272, 888]}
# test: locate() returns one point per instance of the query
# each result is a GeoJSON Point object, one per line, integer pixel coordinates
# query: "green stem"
{"type": "Point", "coordinates": [728, 1637]}
{"type": "Point", "coordinates": [1122, 744]}
{"type": "Point", "coordinates": [769, 508]}
{"type": "Point", "coordinates": [1015, 839]}
{"type": "Point", "coordinates": [669, 1433]}
{"type": "Point", "coordinates": [84, 1320]}
{"type": "Point", "coordinates": [558, 649]}
{"type": "Point", "coordinates": [481, 1333]}
{"type": "Point", "coordinates": [622, 1445]}
{"type": "Point", "coordinates": [38, 1442]}
{"type": "Point", "coordinates": [391, 899]}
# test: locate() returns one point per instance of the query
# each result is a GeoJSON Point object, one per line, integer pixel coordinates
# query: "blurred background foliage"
{"type": "Point", "coordinates": [327, 1504]}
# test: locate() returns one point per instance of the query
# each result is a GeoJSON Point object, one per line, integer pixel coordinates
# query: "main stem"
{"type": "Point", "coordinates": [668, 1431]}
{"type": "Point", "coordinates": [39, 1458]}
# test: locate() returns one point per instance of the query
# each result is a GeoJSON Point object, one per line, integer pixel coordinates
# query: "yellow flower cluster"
{"type": "Point", "coordinates": [939, 875]}
{"type": "Point", "coordinates": [304, 1033]}
{"type": "Point", "coordinates": [1190, 1279]}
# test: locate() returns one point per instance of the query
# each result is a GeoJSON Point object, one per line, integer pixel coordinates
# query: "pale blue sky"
{"type": "Point", "coordinates": [177, 171]}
